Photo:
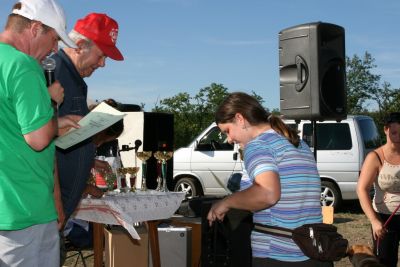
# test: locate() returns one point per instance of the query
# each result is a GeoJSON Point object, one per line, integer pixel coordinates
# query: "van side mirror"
{"type": "Point", "coordinates": [235, 156]}
{"type": "Point", "coordinates": [196, 145]}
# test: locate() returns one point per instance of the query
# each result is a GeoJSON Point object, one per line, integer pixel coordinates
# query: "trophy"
{"type": "Point", "coordinates": [164, 156]}
{"type": "Point", "coordinates": [122, 176]}
{"type": "Point", "coordinates": [144, 156]}
{"type": "Point", "coordinates": [132, 179]}
{"type": "Point", "coordinates": [158, 156]}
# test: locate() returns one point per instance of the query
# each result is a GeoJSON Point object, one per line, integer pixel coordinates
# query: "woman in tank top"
{"type": "Point", "coordinates": [381, 169]}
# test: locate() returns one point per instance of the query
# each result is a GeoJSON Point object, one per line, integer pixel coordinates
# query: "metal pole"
{"type": "Point", "coordinates": [314, 130]}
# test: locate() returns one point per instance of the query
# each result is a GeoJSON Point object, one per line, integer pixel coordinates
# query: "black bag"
{"type": "Point", "coordinates": [317, 241]}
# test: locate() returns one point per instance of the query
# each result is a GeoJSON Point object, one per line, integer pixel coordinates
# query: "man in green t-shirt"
{"type": "Point", "coordinates": [28, 125]}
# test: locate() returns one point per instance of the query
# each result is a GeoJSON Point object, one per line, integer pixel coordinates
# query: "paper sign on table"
{"type": "Point", "coordinates": [100, 118]}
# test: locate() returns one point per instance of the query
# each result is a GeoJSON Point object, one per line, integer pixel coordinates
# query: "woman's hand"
{"type": "Point", "coordinates": [378, 231]}
{"type": "Point", "coordinates": [217, 211]}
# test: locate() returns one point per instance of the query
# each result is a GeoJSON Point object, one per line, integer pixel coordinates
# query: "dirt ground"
{"type": "Point", "coordinates": [353, 225]}
{"type": "Point", "coordinates": [350, 220]}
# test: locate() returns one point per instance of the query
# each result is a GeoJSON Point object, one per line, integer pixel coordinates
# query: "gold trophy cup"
{"type": "Point", "coordinates": [132, 179]}
{"type": "Point", "coordinates": [164, 156]}
{"type": "Point", "coordinates": [158, 156]}
{"type": "Point", "coordinates": [144, 156]}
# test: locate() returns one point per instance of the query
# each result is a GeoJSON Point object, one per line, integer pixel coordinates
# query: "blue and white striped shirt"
{"type": "Point", "coordinates": [300, 192]}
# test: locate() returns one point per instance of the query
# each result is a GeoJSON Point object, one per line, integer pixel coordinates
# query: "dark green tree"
{"type": "Point", "coordinates": [361, 83]}
{"type": "Point", "coordinates": [192, 114]}
{"type": "Point", "coordinates": [366, 94]}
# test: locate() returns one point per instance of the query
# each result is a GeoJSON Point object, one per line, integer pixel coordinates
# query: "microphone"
{"type": "Point", "coordinates": [138, 143]}
{"type": "Point", "coordinates": [49, 65]}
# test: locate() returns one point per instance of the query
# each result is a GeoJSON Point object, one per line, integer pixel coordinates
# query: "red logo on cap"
{"type": "Point", "coordinates": [114, 35]}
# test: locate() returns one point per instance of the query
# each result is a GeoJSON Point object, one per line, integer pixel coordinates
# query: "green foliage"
{"type": "Point", "coordinates": [192, 114]}
{"type": "Point", "coordinates": [366, 94]}
{"type": "Point", "coordinates": [361, 83]}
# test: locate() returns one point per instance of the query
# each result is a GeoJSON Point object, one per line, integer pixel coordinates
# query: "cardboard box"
{"type": "Point", "coordinates": [327, 214]}
{"type": "Point", "coordinates": [121, 250]}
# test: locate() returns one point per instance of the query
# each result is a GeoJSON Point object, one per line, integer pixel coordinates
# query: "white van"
{"type": "Point", "coordinates": [204, 167]}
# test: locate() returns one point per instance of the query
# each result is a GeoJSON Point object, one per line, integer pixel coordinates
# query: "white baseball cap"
{"type": "Point", "coordinates": [48, 12]}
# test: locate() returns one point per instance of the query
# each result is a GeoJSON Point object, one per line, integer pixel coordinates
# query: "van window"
{"type": "Point", "coordinates": [369, 133]}
{"type": "Point", "coordinates": [330, 136]}
{"type": "Point", "coordinates": [214, 140]}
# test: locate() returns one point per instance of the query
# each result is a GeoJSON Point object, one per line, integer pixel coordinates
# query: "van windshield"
{"type": "Point", "coordinates": [369, 133]}
{"type": "Point", "coordinates": [214, 140]}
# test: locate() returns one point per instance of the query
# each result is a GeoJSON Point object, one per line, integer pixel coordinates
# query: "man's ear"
{"type": "Point", "coordinates": [35, 28]}
{"type": "Point", "coordinates": [81, 43]}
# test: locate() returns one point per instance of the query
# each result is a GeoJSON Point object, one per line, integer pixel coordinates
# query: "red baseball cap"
{"type": "Point", "coordinates": [103, 31]}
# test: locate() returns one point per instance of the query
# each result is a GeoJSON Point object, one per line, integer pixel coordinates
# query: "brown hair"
{"type": "Point", "coordinates": [391, 118]}
{"type": "Point", "coordinates": [254, 113]}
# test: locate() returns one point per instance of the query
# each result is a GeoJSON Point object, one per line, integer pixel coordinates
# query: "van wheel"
{"type": "Point", "coordinates": [188, 185]}
{"type": "Point", "coordinates": [330, 194]}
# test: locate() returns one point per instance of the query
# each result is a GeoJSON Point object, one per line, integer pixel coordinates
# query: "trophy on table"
{"type": "Point", "coordinates": [132, 179]}
{"type": "Point", "coordinates": [144, 156]}
{"type": "Point", "coordinates": [158, 157]}
{"type": "Point", "coordinates": [122, 176]}
{"type": "Point", "coordinates": [164, 156]}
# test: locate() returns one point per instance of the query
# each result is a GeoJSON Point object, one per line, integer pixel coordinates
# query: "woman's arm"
{"type": "Point", "coordinates": [369, 172]}
{"type": "Point", "coordinates": [264, 193]}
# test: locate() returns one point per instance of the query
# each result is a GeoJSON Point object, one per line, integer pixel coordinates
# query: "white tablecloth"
{"type": "Point", "coordinates": [128, 208]}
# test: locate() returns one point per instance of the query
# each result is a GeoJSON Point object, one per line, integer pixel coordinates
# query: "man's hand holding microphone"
{"type": "Point", "coordinates": [56, 92]}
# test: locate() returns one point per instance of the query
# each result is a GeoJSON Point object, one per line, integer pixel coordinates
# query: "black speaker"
{"type": "Point", "coordinates": [150, 131]}
{"type": "Point", "coordinates": [313, 72]}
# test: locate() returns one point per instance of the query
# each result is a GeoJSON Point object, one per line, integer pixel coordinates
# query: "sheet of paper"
{"type": "Point", "coordinates": [100, 118]}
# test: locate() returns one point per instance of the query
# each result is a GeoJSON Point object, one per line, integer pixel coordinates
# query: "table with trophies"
{"type": "Point", "coordinates": [127, 205]}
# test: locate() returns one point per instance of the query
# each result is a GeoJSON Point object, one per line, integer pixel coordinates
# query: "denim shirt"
{"type": "Point", "coordinates": [75, 163]}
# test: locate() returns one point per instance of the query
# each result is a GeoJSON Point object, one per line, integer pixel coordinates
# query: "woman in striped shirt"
{"type": "Point", "coordinates": [285, 184]}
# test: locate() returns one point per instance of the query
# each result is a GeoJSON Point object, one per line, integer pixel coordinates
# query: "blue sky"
{"type": "Point", "coordinates": [173, 46]}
